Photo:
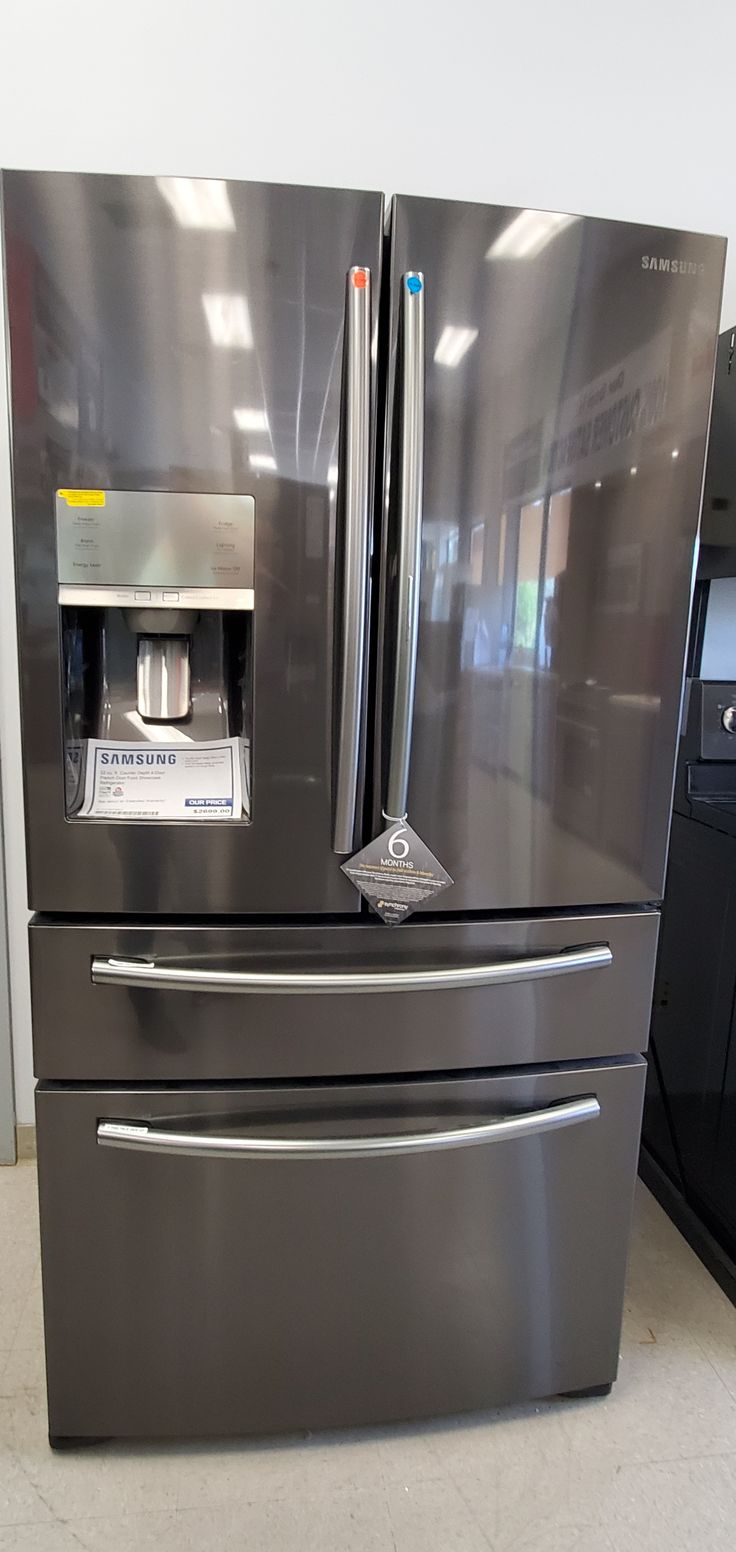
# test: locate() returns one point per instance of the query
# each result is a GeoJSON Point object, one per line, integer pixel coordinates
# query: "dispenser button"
{"type": "Point", "coordinates": [142, 598]}
{"type": "Point", "coordinates": [170, 598]}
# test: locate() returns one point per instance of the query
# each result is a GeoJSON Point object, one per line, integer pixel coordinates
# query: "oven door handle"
{"type": "Point", "coordinates": [145, 972]}
{"type": "Point", "coordinates": [142, 1138]}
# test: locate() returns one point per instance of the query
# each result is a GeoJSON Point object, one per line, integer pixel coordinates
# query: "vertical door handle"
{"type": "Point", "coordinates": [411, 472]}
{"type": "Point", "coordinates": [355, 553]}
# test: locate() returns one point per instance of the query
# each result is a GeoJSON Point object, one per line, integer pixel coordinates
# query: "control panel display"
{"type": "Point", "coordinates": [162, 541]}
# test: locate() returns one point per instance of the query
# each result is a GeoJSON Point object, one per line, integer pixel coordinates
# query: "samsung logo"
{"type": "Point", "coordinates": [136, 759]}
{"type": "Point", "coordinates": [672, 266]}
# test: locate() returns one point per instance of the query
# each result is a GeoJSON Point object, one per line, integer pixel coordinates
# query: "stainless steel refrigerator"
{"type": "Point", "coordinates": [331, 526]}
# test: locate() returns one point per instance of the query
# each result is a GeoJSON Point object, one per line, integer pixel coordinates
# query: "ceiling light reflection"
{"type": "Point", "coordinates": [250, 420]}
{"type": "Point", "coordinates": [453, 344]}
{"type": "Point", "coordinates": [528, 234]}
{"type": "Point", "coordinates": [199, 202]}
{"type": "Point", "coordinates": [262, 461]}
{"type": "Point", "coordinates": [228, 319]}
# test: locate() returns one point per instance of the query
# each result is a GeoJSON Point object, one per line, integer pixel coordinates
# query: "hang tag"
{"type": "Point", "coordinates": [396, 872]}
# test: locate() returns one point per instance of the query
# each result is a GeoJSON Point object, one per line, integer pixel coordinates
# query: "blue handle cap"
{"type": "Point", "coordinates": [413, 284]}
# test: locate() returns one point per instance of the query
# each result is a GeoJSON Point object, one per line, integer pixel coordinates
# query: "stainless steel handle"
{"type": "Point", "coordinates": [145, 972]}
{"type": "Point", "coordinates": [411, 473]}
{"type": "Point", "coordinates": [355, 574]}
{"type": "Point", "coordinates": [150, 1139]}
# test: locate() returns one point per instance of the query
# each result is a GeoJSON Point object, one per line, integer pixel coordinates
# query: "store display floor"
{"type": "Point", "coordinates": [653, 1466]}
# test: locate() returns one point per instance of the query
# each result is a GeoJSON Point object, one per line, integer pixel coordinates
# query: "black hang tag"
{"type": "Point", "coordinates": [396, 872]}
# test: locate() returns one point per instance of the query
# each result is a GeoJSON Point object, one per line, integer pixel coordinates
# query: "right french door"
{"type": "Point", "coordinates": [549, 382]}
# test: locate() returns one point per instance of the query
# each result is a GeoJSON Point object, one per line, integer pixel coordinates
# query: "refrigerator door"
{"type": "Point", "coordinates": [317, 1256]}
{"type": "Point", "coordinates": [169, 1001]}
{"type": "Point", "coordinates": [207, 338]}
{"type": "Point", "coordinates": [549, 390]}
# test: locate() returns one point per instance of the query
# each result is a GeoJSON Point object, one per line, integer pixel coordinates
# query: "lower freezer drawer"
{"type": "Point", "coordinates": [249, 1259]}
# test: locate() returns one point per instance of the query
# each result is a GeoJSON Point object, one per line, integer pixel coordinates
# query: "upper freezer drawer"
{"type": "Point", "coordinates": [120, 1003]}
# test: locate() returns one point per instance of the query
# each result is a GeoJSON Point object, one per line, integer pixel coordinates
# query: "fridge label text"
{"type": "Point", "coordinates": [184, 781]}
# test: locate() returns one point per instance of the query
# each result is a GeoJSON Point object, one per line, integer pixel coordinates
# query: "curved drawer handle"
{"type": "Point", "coordinates": [145, 972]}
{"type": "Point", "coordinates": [142, 1138]}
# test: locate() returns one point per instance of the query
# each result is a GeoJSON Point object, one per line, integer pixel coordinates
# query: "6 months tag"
{"type": "Point", "coordinates": [396, 872]}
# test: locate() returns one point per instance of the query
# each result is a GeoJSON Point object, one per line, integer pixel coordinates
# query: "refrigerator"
{"type": "Point", "coordinates": [355, 543]}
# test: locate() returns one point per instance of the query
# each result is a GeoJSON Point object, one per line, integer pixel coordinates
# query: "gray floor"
{"type": "Point", "coordinates": [653, 1467]}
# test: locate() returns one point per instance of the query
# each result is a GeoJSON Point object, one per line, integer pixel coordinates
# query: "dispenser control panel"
{"type": "Point", "coordinates": [167, 549]}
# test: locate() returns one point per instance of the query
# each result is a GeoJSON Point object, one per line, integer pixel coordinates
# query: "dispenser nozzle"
{"type": "Point", "coordinates": [163, 678]}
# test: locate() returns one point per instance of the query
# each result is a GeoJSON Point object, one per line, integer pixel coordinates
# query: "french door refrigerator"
{"type": "Point", "coordinates": [329, 529]}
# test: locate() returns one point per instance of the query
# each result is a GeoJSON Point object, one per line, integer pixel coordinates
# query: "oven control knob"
{"type": "Point", "coordinates": [728, 719]}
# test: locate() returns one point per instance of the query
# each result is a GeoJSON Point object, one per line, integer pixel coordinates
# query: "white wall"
{"type": "Point", "coordinates": [611, 109]}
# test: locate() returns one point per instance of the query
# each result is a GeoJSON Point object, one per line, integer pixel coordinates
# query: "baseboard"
{"type": "Point", "coordinates": [692, 1228]}
{"type": "Point", "coordinates": [25, 1141]}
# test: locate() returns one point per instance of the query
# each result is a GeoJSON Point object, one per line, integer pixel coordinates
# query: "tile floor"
{"type": "Point", "coordinates": [650, 1469]}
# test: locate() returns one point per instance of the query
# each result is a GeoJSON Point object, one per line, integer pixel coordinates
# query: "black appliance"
{"type": "Point", "coordinates": [339, 523]}
{"type": "Point", "coordinates": [689, 1129]}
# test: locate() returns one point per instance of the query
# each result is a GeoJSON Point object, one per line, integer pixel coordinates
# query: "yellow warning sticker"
{"type": "Point", "coordinates": [83, 498]}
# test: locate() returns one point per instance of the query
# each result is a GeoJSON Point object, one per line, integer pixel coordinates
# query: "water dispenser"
{"type": "Point", "coordinates": [156, 599]}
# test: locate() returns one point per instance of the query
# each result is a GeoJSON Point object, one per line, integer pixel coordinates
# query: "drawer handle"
{"type": "Point", "coordinates": [149, 1139]}
{"type": "Point", "coordinates": [145, 972]}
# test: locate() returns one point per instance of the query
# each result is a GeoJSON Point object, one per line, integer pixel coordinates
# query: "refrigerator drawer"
{"type": "Point", "coordinates": [266, 1258]}
{"type": "Point", "coordinates": [124, 1003]}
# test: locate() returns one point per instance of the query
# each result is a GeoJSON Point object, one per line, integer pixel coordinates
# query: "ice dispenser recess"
{"type": "Point", "coordinates": [156, 598]}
